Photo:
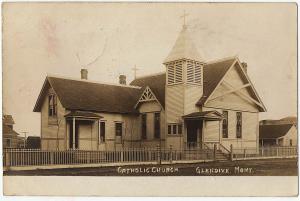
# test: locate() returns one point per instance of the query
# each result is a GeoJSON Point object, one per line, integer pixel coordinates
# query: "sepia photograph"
{"type": "Point", "coordinates": [147, 91]}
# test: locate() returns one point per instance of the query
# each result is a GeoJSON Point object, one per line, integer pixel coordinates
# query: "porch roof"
{"type": "Point", "coordinates": [206, 115]}
{"type": "Point", "coordinates": [83, 114]}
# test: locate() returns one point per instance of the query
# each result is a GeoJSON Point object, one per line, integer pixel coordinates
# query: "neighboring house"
{"type": "Point", "coordinates": [278, 135]}
{"type": "Point", "coordinates": [10, 138]}
{"type": "Point", "coordinates": [194, 102]}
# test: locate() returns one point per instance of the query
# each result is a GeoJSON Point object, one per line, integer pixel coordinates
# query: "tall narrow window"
{"type": "Point", "coordinates": [169, 129]}
{"type": "Point", "coordinates": [102, 132]}
{"type": "Point", "coordinates": [118, 129]}
{"type": "Point", "coordinates": [144, 126]}
{"type": "Point", "coordinates": [238, 125]}
{"type": "Point", "coordinates": [52, 105]}
{"type": "Point", "coordinates": [174, 129]}
{"type": "Point", "coordinates": [225, 124]}
{"type": "Point", "coordinates": [157, 125]}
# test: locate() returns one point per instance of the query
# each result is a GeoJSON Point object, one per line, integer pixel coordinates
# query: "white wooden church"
{"type": "Point", "coordinates": [194, 102]}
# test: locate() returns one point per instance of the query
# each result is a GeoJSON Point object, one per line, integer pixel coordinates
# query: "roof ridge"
{"type": "Point", "coordinates": [150, 75]}
{"type": "Point", "coordinates": [93, 81]}
{"type": "Point", "coordinates": [220, 60]}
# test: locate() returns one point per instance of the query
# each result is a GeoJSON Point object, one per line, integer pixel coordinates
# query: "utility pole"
{"type": "Point", "coordinates": [25, 134]}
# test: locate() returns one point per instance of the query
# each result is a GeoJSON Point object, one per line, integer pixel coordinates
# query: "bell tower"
{"type": "Point", "coordinates": [184, 81]}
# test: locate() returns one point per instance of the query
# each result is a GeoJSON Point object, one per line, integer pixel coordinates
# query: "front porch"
{"type": "Point", "coordinates": [82, 130]}
{"type": "Point", "coordinates": [195, 129]}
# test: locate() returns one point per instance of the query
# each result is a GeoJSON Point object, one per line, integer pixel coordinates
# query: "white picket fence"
{"type": "Point", "coordinates": [265, 152]}
{"type": "Point", "coordinates": [37, 157]}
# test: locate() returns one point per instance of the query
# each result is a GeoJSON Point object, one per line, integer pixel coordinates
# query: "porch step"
{"type": "Point", "coordinates": [220, 156]}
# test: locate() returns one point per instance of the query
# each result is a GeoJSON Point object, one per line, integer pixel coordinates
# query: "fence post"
{"type": "Point", "coordinates": [244, 153]}
{"type": "Point", "coordinates": [215, 152]}
{"type": "Point", "coordinates": [277, 151]}
{"type": "Point", "coordinates": [51, 157]}
{"type": "Point", "coordinates": [7, 158]}
{"type": "Point", "coordinates": [158, 155]}
{"type": "Point", "coordinates": [122, 153]}
{"type": "Point", "coordinates": [171, 154]}
{"type": "Point", "coordinates": [231, 152]}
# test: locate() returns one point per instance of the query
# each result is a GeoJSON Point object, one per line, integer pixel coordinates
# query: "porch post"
{"type": "Point", "coordinates": [73, 133]}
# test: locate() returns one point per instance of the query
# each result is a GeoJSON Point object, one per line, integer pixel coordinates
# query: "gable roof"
{"type": "Point", "coordinates": [212, 75]}
{"type": "Point", "coordinates": [183, 48]}
{"type": "Point", "coordinates": [156, 83]}
{"type": "Point", "coordinates": [90, 96]}
{"type": "Point", "coordinates": [7, 130]}
{"type": "Point", "coordinates": [208, 115]}
{"type": "Point", "coordinates": [273, 131]}
{"type": "Point", "coordinates": [98, 97]}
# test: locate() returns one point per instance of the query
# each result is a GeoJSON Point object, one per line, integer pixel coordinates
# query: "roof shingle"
{"type": "Point", "coordinates": [90, 96]}
{"type": "Point", "coordinates": [273, 131]}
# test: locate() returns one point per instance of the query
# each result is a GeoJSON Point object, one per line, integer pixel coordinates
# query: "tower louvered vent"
{"type": "Point", "coordinates": [174, 72]}
{"type": "Point", "coordinates": [194, 74]}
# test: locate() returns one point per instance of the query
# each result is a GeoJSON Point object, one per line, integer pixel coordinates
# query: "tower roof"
{"type": "Point", "coordinates": [184, 48]}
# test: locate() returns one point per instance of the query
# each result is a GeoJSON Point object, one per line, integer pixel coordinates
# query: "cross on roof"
{"type": "Point", "coordinates": [135, 69]}
{"type": "Point", "coordinates": [184, 16]}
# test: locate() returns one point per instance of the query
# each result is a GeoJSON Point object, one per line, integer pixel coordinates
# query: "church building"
{"type": "Point", "coordinates": [192, 104]}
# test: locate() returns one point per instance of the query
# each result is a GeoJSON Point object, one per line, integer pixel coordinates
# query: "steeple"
{"type": "Point", "coordinates": [184, 48]}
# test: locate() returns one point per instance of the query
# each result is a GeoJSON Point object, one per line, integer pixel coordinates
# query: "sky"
{"type": "Point", "coordinates": [61, 38]}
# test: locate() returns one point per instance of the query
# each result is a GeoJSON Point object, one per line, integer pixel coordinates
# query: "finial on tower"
{"type": "Point", "coordinates": [184, 18]}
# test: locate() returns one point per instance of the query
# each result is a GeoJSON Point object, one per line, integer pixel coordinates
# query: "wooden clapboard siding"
{"type": "Point", "coordinates": [291, 135]}
{"type": "Point", "coordinates": [174, 103]}
{"type": "Point", "coordinates": [249, 131]}
{"type": "Point", "coordinates": [211, 131]}
{"type": "Point", "coordinates": [176, 142]}
{"type": "Point", "coordinates": [149, 108]}
{"type": "Point", "coordinates": [192, 94]}
{"type": "Point", "coordinates": [152, 106]}
{"type": "Point", "coordinates": [233, 100]}
{"type": "Point", "coordinates": [50, 130]}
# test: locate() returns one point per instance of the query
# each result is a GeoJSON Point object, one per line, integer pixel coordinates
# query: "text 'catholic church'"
{"type": "Point", "coordinates": [193, 103]}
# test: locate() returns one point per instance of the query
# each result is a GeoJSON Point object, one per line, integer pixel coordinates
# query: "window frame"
{"type": "Point", "coordinates": [225, 131]}
{"type": "Point", "coordinates": [52, 105]}
{"type": "Point", "coordinates": [144, 126]}
{"type": "Point", "coordinates": [239, 125]}
{"type": "Point", "coordinates": [178, 127]}
{"type": "Point", "coordinates": [157, 129]}
{"type": "Point", "coordinates": [116, 128]}
{"type": "Point", "coordinates": [102, 137]}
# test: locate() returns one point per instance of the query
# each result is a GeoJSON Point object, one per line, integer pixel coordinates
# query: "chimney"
{"type": "Point", "coordinates": [84, 74]}
{"type": "Point", "coordinates": [244, 64]}
{"type": "Point", "coordinates": [122, 79]}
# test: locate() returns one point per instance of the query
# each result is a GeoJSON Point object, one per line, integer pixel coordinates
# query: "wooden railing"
{"type": "Point", "coordinates": [37, 157]}
{"type": "Point", "coordinates": [265, 152]}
